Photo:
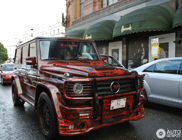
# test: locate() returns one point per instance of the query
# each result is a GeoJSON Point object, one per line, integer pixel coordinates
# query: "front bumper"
{"type": "Point", "coordinates": [83, 121]}
{"type": "Point", "coordinates": [6, 79]}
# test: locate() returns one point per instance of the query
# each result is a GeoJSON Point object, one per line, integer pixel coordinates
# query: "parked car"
{"type": "Point", "coordinates": [110, 61]}
{"type": "Point", "coordinates": [74, 92]}
{"type": "Point", "coordinates": [163, 81]}
{"type": "Point", "coordinates": [6, 71]}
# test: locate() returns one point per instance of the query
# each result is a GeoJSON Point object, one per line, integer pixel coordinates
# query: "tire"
{"type": "Point", "coordinates": [47, 116]}
{"type": "Point", "coordinates": [145, 98]}
{"type": "Point", "coordinates": [2, 82]}
{"type": "Point", "coordinates": [16, 99]}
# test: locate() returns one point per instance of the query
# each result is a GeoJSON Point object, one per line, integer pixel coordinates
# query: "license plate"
{"type": "Point", "coordinates": [119, 103]}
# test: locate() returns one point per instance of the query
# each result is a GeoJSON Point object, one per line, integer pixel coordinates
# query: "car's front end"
{"type": "Point", "coordinates": [97, 97]}
{"type": "Point", "coordinates": [6, 76]}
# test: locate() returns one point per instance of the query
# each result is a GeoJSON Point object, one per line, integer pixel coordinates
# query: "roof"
{"type": "Point", "coordinates": [177, 20]}
{"type": "Point", "coordinates": [102, 30]}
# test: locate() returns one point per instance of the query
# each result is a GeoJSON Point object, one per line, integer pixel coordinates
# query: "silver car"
{"type": "Point", "coordinates": [163, 81]}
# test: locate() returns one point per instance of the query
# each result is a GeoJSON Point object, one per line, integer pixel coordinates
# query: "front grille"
{"type": "Point", "coordinates": [126, 85]}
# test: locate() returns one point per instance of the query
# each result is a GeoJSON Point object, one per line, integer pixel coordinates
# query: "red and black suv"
{"type": "Point", "coordinates": [74, 92]}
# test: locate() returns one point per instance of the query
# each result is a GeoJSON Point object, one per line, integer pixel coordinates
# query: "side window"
{"type": "Point", "coordinates": [25, 53]}
{"type": "Point", "coordinates": [150, 69]}
{"type": "Point", "coordinates": [170, 66]}
{"type": "Point", "coordinates": [33, 49]}
{"type": "Point", "coordinates": [18, 56]}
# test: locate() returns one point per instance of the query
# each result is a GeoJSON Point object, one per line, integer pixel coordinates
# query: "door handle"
{"type": "Point", "coordinates": [146, 75]}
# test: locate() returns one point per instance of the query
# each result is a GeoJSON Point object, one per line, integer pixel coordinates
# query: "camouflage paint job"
{"type": "Point", "coordinates": [87, 112]}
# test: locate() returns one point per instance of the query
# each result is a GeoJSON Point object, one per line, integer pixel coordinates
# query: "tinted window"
{"type": "Point", "coordinates": [149, 69]}
{"type": "Point", "coordinates": [33, 50]}
{"type": "Point", "coordinates": [170, 66]}
{"type": "Point", "coordinates": [63, 50]}
{"type": "Point", "coordinates": [25, 53]}
{"type": "Point", "coordinates": [112, 61]}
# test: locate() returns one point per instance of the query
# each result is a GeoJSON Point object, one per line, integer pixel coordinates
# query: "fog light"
{"type": "Point", "coordinates": [71, 127]}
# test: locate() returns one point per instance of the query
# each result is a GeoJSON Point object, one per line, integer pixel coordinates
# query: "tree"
{"type": "Point", "coordinates": [3, 53]}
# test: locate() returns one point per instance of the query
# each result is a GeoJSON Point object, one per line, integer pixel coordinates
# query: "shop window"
{"type": "Point", "coordinates": [164, 50]}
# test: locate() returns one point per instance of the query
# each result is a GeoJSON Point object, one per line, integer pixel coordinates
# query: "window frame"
{"type": "Point", "coordinates": [108, 3]}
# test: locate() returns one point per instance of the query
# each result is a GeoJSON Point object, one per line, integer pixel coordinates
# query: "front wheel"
{"type": "Point", "coordinates": [47, 116]}
{"type": "Point", "coordinates": [16, 99]}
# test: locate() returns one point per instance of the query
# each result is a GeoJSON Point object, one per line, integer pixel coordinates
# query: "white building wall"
{"type": "Point", "coordinates": [46, 32]}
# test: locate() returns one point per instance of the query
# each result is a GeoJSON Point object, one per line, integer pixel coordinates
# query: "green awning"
{"type": "Point", "coordinates": [76, 33]}
{"type": "Point", "coordinates": [100, 31]}
{"type": "Point", "coordinates": [152, 18]}
{"type": "Point", "coordinates": [177, 21]}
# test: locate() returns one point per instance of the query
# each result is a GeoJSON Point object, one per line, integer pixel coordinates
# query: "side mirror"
{"type": "Point", "coordinates": [31, 61]}
{"type": "Point", "coordinates": [104, 59]}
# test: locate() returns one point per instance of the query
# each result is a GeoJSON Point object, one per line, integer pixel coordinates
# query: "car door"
{"type": "Point", "coordinates": [164, 82]}
{"type": "Point", "coordinates": [180, 92]}
{"type": "Point", "coordinates": [31, 73]}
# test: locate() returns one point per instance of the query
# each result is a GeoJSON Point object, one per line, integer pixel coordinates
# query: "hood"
{"type": "Point", "coordinates": [7, 72]}
{"type": "Point", "coordinates": [86, 71]}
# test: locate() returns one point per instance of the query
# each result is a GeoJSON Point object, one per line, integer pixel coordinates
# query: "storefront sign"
{"type": "Point", "coordinates": [155, 48]}
{"type": "Point", "coordinates": [155, 51]}
{"type": "Point", "coordinates": [126, 28]}
{"type": "Point", "coordinates": [88, 37]}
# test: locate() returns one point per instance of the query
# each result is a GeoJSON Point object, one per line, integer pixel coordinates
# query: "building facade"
{"type": "Point", "coordinates": [138, 22]}
{"type": "Point", "coordinates": [56, 30]}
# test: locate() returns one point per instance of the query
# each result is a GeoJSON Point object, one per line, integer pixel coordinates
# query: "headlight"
{"type": "Point", "coordinates": [78, 88]}
{"type": "Point", "coordinates": [6, 75]}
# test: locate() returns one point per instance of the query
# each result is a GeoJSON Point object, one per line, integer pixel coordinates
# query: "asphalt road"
{"type": "Point", "coordinates": [21, 123]}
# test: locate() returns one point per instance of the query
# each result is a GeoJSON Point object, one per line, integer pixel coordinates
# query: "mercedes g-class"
{"type": "Point", "coordinates": [66, 80]}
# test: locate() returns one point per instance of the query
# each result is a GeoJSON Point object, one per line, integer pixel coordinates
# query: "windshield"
{"type": "Point", "coordinates": [67, 50]}
{"type": "Point", "coordinates": [112, 61]}
{"type": "Point", "coordinates": [7, 67]}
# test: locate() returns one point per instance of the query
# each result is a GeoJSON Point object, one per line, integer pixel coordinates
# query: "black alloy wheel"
{"type": "Point", "coordinates": [47, 116]}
